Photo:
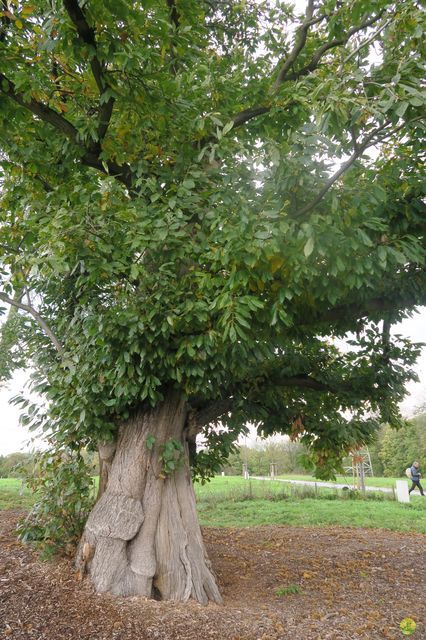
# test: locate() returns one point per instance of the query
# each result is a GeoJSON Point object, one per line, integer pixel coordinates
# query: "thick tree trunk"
{"type": "Point", "coordinates": [142, 536]}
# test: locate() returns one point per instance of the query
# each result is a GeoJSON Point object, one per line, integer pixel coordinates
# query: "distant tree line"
{"type": "Point", "coordinates": [287, 456]}
{"type": "Point", "coordinates": [393, 451]}
{"type": "Point", "coordinates": [22, 465]}
{"type": "Point", "coordinates": [16, 465]}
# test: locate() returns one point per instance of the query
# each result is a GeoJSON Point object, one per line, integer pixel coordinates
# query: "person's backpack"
{"type": "Point", "coordinates": [408, 472]}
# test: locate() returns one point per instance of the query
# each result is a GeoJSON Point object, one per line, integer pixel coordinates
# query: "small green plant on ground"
{"type": "Point", "coordinates": [290, 589]}
{"type": "Point", "coordinates": [407, 626]}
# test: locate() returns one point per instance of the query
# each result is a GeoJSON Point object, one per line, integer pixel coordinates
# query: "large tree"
{"type": "Point", "coordinates": [198, 200]}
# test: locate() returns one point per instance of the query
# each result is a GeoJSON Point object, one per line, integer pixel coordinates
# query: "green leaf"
{"type": "Point", "coordinates": [227, 128]}
{"type": "Point", "coordinates": [402, 108]}
{"type": "Point", "coordinates": [309, 247]}
{"type": "Point", "coordinates": [150, 441]}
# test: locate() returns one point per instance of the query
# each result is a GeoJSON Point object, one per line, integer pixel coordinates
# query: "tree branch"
{"type": "Point", "coordinates": [283, 76]}
{"type": "Point", "coordinates": [373, 306]}
{"type": "Point", "coordinates": [5, 20]}
{"type": "Point", "coordinates": [39, 109]}
{"type": "Point", "coordinates": [88, 35]}
{"type": "Point", "coordinates": [174, 19]}
{"type": "Point", "coordinates": [359, 150]}
{"type": "Point", "coordinates": [367, 42]}
{"type": "Point", "coordinates": [248, 114]}
{"type": "Point", "coordinates": [174, 15]}
{"type": "Point", "coordinates": [37, 317]}
{"type": "Point", "coordinates": [304, 382]}
{"type": "Point", "coordinates": [300, 41]}
{"type": "Point", "coordinates": [8, 248]}
{"type": "Point", "coordinates": [214, 410]}
{"type": "Point", "coordinates": [338, 42]}
{"type": "Point", "coordinates": [386, 339]}
{"type": "Point", "coordinates": [91, 156]}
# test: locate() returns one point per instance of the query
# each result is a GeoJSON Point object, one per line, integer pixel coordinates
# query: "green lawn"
{"type": "Point", "coordinates": [232, 501]}
{"type": "Point", "coordinates": [235, 502]}
{"type": "Point", "coordinates": [13, 495]}
{"type": "Point", "coordinates": [311, 512]}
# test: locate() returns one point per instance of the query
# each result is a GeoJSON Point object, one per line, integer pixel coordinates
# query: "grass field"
{"type": "Point", "coordinates": [13, 495]}
{"type": "Point", "coordinates": [232, 501]}
{"type": "Point", "coordinates": [235, 502]}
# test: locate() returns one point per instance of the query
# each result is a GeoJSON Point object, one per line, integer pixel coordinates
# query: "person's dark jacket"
{"type": "Point", "coordinates": [415, 474]}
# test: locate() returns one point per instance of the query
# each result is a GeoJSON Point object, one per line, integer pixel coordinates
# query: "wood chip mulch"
{"type": "Point", "coordinates": [352, 584]}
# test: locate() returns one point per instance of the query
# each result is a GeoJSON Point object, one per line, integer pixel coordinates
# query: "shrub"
{"type": "Point", "coordinates": [65, 494]}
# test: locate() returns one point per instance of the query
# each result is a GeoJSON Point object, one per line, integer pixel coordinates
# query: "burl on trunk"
{"type": "Point", "coordinates": [142, 536]}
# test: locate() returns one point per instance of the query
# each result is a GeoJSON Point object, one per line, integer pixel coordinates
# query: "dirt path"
{"type": "Point", "coordinates": [355, 583]}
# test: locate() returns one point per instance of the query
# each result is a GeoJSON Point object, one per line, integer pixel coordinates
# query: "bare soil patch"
{"type": "Point", "coordinates": [355, 583]}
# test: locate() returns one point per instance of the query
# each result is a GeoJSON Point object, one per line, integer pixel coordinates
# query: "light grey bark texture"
{"type": "Point", "coordinates": [142, 536]}
{"type": "Point", "coordinates": [106, 452]}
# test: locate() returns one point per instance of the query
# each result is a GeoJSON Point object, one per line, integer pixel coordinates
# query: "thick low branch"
{"type": "Point", "coordinates": [373, 307]}
{"type": "Point", "coordinates": [248, 114]}
{"type": "Point", "coordinates": [37, 317]}
{"type": "Point", "coordinates": [121, 172]}
{"type": "Point", "coordinates": [42, 111]}
{"type": "Point", "coordinates": [304, 382]}
{"type": "Point", "coordinates": [213, 411]}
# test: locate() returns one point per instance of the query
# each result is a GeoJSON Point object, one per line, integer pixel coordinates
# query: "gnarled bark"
{"type": "Point", "coordinates": [106, 451]}
{"type": "Point", "coordinates": [142, 536]}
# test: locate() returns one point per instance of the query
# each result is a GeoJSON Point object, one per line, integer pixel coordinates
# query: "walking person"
{"type": "Point", "coordinates": [415, 478]}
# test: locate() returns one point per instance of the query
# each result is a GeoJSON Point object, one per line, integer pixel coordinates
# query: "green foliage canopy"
{"type": "Point", "coordinates": [172, 215]}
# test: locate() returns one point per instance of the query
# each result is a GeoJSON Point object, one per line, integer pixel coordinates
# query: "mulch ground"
{"type": "Point", "coordinates": [355, 584]}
